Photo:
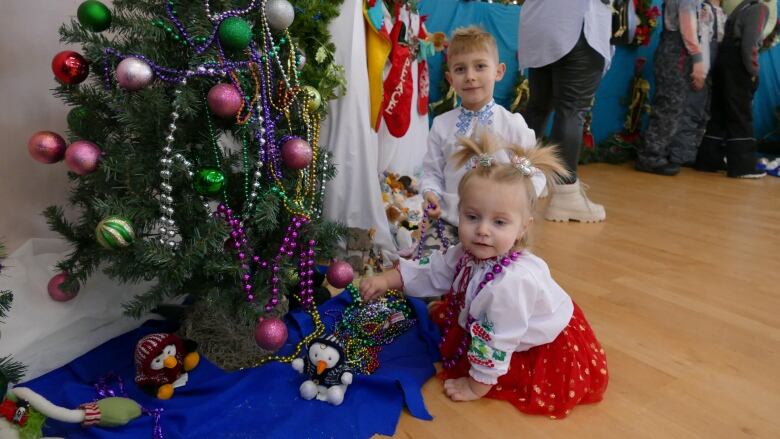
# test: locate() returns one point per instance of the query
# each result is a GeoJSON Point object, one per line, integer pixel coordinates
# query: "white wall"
{"type": "Point", "coordinates": [28, 41]}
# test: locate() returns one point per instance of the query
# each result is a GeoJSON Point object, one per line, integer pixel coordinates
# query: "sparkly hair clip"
{"type": "Point", "coordinates": [482, 160]}
{"type": "Point", "coordinates": [523, 165]}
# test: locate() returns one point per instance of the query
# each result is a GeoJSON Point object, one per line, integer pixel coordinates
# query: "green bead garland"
{"type": "Point", "coordinates": [365, 327]}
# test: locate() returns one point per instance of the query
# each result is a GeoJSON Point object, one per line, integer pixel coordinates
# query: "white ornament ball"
{"type": "Point", "coordinates": [280, 14]}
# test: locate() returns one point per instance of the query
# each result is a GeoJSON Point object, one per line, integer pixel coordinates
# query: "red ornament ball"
{"type": "Point", "coordinates": [224, 100]}
{"type": "Point", "coordinates": [82, 157]}
{"type": "Point", "coordinates": [55, 292]}
{"type": "Point", "coordinates": [46, 147]}
{"type": "Point", "coordinates": [296, 153]}
{"type": "Point", "coordinates": [270, 333]}
{"type": "Point", "coordinates": [70, 67]}
{"type": "Point", "coordinates": [340, 274]}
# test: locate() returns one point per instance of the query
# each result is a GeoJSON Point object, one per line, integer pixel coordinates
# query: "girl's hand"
{"type": "Point", "coordinates": [373, 287]}
{"type": "Point", "coordinates": [432, 200]}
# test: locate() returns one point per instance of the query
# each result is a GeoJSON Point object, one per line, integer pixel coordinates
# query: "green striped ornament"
{"type": "Point", "coordinates": [114, 233]}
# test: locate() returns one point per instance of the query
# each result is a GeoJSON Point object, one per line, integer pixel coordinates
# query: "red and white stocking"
{"type": "Point", "coordinates": [397, 104]}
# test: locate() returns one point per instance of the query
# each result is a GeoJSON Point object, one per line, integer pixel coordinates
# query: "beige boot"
{"type": "Point", "coordinates": [569, 203]}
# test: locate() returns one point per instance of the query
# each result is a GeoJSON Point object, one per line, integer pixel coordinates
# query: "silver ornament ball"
{"type": "Point", "coordinates": [280, 14]}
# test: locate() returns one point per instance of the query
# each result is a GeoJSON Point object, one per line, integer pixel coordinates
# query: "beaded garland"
{"type": "Point", "coordinates": [365, 327]}
{"type": "Point", "coordinates": [423, 229]}
{"type": "Point", "coordinates": [456, 300]}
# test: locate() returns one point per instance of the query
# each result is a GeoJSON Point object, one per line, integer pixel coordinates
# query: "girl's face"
{"type": "Point", "coordinates": [493, 217]}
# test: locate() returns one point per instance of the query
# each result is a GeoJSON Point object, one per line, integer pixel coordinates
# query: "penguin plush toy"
{"type": "Point", "coordinates": [325, 364]}
{"type": "Point", "coordinates": [161, 363]}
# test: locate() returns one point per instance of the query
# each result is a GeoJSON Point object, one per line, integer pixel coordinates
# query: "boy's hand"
{"type": "Point", "coordinates": [432, 200]}
{"type": "Point", "coordinates": [373, 287]}
{"type": "Point", "coordinates": [698, 75]}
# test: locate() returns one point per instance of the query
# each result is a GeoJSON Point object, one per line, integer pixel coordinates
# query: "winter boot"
{"type": "Point", "coordinates": [569, 203]}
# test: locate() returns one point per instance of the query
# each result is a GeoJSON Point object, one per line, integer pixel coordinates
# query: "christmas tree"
{"type": "Point", "coordinates": [195, 162]}
{"type": "Point", "coordinates": [10, 371]}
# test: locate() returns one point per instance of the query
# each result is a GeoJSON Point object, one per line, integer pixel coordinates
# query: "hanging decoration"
{"type": "Point", "coordinates": [378, 47]}
{"type": "Point", "coordinates": [522, 92]}
{"type": "Point", "coordinates": [82, 157]}
{"type": "Point", "coordinates": [648, 14]}
{"type": "Point", "coordinates": [133, 74]}
{"type": "Point", "coordinates": [46, 147]}
{"type": "Point", "coordinates": [114, 233]}
{"type": "Point", "coordinates": [70, 67]}
{"type": "Point", "coordinates": [271, 333]}
{"type": "Point", "coordinates": [94, 16]}
{"type": "Point", "coordinates": [621, 147]}
{"type": "Point", "coordinates": [56, 292]}
{"type": "Point", "coordinates": [407, 42]}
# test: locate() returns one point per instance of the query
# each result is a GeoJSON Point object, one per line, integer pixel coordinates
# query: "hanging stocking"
{"type": "Point", "coordinates": [423, 80]}
{"type": "Point", "coordinates": [378, 47]}
{"type": "Point", "coordinates": [397, 104]}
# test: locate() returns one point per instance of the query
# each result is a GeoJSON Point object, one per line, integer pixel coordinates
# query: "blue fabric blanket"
{"type": "Point", "coordinates": [255, 403]}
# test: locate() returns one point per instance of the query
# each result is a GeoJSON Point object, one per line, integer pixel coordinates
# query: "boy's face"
{"type": "Point", "coordinates": [474, 75]}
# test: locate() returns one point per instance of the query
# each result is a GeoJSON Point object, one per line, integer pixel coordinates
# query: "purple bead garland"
{"type": "Point", "coordinates": [439, 230]}
{"type": "Point", "coordinates": [272, 153]}
{"type": "Point", "coordinates": [287, 248]}
{"type": "Point", "coordinates": [456, 300]}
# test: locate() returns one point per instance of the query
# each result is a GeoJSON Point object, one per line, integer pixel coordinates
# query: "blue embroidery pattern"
{"type": "Point", "coordinates": [483, 117]}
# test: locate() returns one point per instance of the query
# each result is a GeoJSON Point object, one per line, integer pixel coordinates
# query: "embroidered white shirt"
{"type": "Point", "coordinates": [521, 308]}
{"type": "Point", "coordinates": [441, 176]}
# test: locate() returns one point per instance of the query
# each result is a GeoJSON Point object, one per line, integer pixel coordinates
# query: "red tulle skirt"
{"type": "Point", "coordinates": [549, 379]}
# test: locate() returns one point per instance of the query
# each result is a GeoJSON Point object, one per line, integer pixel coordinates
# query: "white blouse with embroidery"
{"type": "Point", "coordinates": [441, 176]}
{"type": "Point", "coordinates": [521, 308]}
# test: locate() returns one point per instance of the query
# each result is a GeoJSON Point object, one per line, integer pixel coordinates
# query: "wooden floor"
{"type": "Point", "coordinates": [682, 286]}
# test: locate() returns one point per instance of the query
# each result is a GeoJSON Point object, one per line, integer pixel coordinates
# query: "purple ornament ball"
{"type": "Point", "coordinates": [270, 333]}
{"type": "Point", "coordinates": [224, 100]}
{"type": "Point", "coordinates": [296, 153]}
{"type": "Point", "coordinates": [82, 157]}
{"type": "Point", "coordinates": [134, 74]}
{"type": "Point", "coordinates": [340, 274]}
{"type": "Point", "coordinates": [46, 147]}
{"type": "Point", "coordinates": [55, 292]}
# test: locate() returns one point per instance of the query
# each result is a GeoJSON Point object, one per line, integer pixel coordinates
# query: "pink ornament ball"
{"type": "Point", "coordinates": [340, 274]}
{"type": "Point", "coordinates": [134, 74]}
{"type": "Point", "coordinates": [82, 157]}
{"type": "Point", "coordinates": [46, 147]}
{"type": "Point", "coordinates": [296, 153]}
{"type": "Point", "coordinates": [270, 333]}
{"type": "Point", "coordinates": [224, 100]}
{"type": "Point", "coordinates": [55, 292]}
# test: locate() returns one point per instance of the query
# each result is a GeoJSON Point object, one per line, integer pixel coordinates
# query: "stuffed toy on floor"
{"type": "Point", "coordinates": [325, 364]}
{"type": "Point", "coordinates": [23, 413]}
{"type": "Point", "coordinates": [161, 363]}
